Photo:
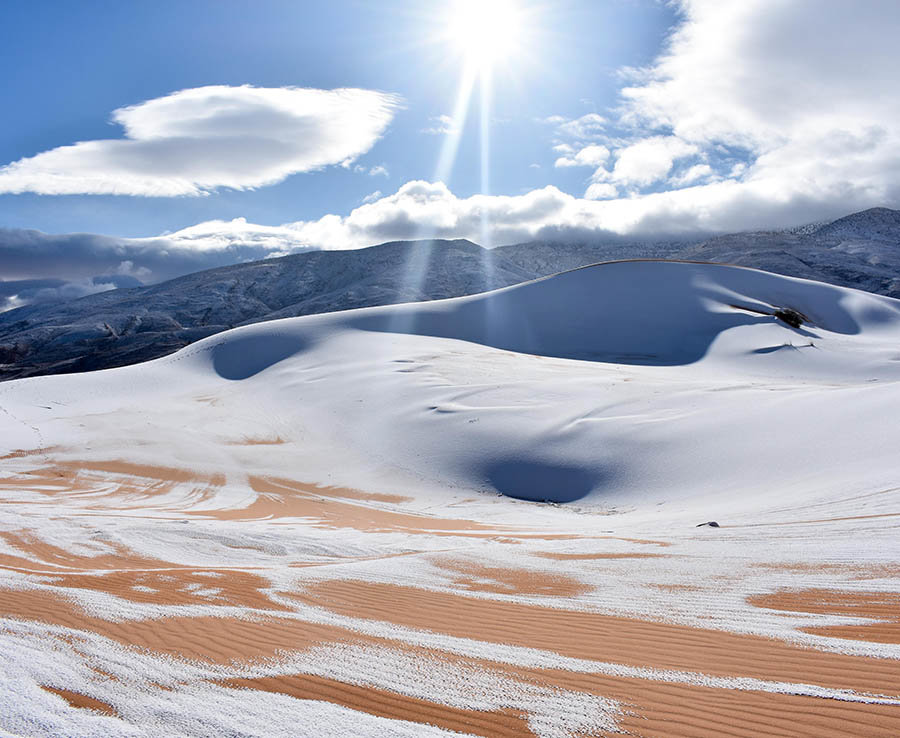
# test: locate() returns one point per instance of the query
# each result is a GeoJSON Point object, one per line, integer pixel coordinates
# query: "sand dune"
{"type": "Point", "coordinates": [337, 525]}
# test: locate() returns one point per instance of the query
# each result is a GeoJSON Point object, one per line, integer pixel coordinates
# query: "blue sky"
{"type": "Point", "coordinates": [142, 140]}
{"type": "Point", "coordinates": [77, 62]}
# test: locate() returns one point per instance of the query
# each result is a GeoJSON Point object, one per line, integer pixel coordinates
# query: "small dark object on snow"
{"type": "Point", "coordinates": [711, 524]}
{"type": "Point", "coordinates": [790, 316]}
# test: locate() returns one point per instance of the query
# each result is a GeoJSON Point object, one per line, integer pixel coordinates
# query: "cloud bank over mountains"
{"type": "Point", "coordinates": [41, 267]}
{"type": "Point", "coordinates": [195, 141]}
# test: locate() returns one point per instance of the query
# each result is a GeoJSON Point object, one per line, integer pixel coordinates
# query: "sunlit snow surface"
{"type": "Point", "coordinates": [335, 525]}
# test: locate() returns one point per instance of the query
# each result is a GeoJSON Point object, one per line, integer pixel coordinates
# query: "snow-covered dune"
{"type": "Point", "coordinates": [617, 384]}
{"type": "Point", "coordinates": [306, 527]}
{"type": "Point", "coordinates": [637, 312]}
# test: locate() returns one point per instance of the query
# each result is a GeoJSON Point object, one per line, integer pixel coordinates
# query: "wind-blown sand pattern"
{"type": "Point", "coordinates": [319, 547]}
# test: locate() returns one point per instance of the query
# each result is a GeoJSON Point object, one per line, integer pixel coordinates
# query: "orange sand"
{"type": "Point", "coordinates": [502, 580]}
{"type": "Point", "coordinates": [884, 606]}
{"type": "Point", "coordinates": [605, 638]}
{"type": "Point", "coordinates": [76, 699]}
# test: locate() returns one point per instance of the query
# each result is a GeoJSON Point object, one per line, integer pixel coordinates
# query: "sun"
{"type": "Point", "coordinates": [484, 32]}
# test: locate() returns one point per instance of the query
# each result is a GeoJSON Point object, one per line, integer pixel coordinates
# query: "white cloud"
{"type": "Point", "coordinates": [127, 268]}
{"type": "Point", "coordinates": [601, 191]}
{"type": "Point", "coordinates": [379, 170]}
{"type": "Point", "coordinates": [88, 259]}
{"type": "Point", "coordinates": [39, 291]}
{"type": "Point", "coordinates": [590, 156]}
{"type": "Point", "coordinates": [692, 175]}
{"type": "Point", "coordinates": [222, 235]}
{"type": "Point", "coordinates": [737, 171]}
{"type": "Point", "coordinates": [759, 72]}
{"type": "Point", "coordinates": [373, 196]}
{"type": "Point", "coordinates": [649, 160]}
{"type": "Point", "coordinates": [197, 140]}
{"type": "Point", "coordinates": [756, 114]}
{"type": "Point", "coordinates": [429, 210]}
{"type": "Point", "coordinates": [441, 125]}
{"type": "Point", "coordinates": [587, 126]}
{"type": "Point", "coordinates": [12, 302]}
{"type": "Point", "coordinates": [800, 88]}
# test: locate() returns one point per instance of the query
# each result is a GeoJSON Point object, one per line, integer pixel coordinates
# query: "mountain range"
{"type": "Point", "coordinates": [130, 325]}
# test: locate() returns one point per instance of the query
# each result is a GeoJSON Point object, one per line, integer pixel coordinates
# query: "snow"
{"type": "Point", "coordinates": [646, 396]}
{"type": "Point", "coordinates": [612, 384]}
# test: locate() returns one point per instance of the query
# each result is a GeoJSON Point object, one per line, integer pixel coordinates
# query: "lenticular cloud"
{"type": "Point", "coordinates": [197, 140]}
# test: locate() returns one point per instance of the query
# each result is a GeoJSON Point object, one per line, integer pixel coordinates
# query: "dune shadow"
{"type": "Point", "coordinates": [639, 313]}
{"type": "Point", "coordinates": [773, 349]}
{"type": "Point", "coordinates": [243, 357]}
{"type": "Point", "coordinates": [540, 481]}
{"type": "Point", "coordinates": [781, 347]}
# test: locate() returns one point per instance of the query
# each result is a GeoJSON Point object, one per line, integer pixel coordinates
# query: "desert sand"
{"type": "Point", "coordinates": [535, 626]}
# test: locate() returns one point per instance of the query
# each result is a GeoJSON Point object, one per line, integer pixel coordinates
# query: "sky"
{"type": "Point", "coordinates": [144, 140]}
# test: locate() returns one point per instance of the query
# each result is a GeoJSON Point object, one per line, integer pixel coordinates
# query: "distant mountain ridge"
{"type": "Point", "coordinates": [860, 250]}
{"type": "Point", "coordinates": [126, 326]}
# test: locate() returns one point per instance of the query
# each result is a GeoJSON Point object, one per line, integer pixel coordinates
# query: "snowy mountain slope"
{"type": "Point", "coordinates": [861, 250]}
{"type": "Point", "coordinates": [127, 326]}
{"type": "Point", "coordinates": [620, 384]}
{"type": "Point", "coordinates": [541, 258]}
{"type": "Point", "coordinates": [874, 224]}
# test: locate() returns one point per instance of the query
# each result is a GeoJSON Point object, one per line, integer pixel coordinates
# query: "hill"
{"type": "Point", "coordinates": [127, 326]}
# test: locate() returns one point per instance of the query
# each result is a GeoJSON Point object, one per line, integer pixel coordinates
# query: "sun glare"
{"type": "Point", "coordinates": [485, 31]}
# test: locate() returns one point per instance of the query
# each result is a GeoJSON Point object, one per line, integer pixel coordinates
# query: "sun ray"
{"type": "Point", "coordinates": [486, 234]}
{"type": "Point", "coordinates": [483, 33]}
{"type": "Point", "coordinates": [450, 146]}
{"type": "Point", "coordinates": [485, 130]}
{"type": "Point", "coordinates": [419, 259]}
